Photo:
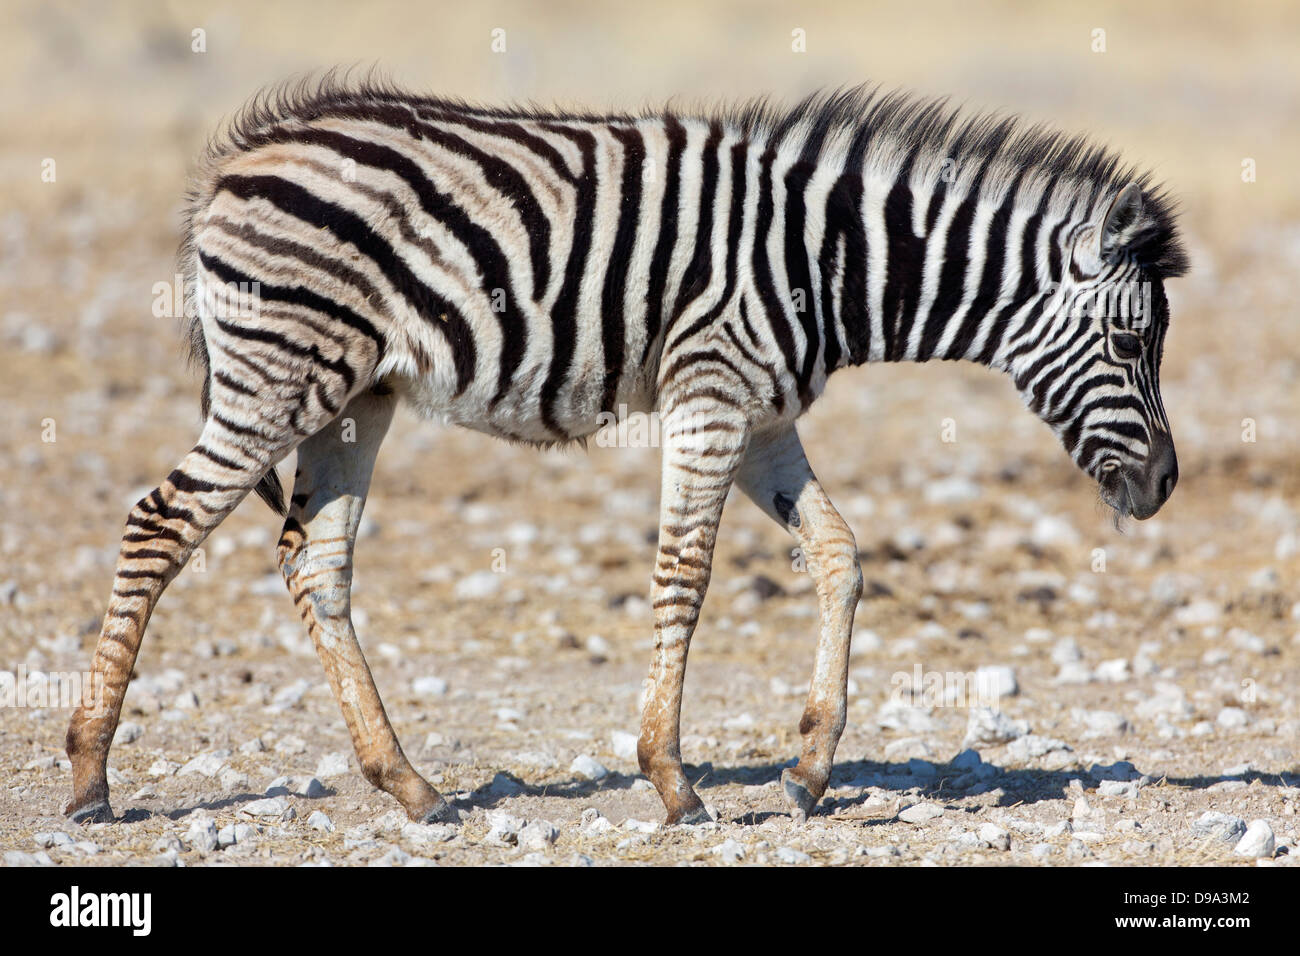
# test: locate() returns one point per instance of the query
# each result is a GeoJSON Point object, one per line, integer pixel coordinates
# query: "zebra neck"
{"type": "Point", "coordinates": [914, 274]}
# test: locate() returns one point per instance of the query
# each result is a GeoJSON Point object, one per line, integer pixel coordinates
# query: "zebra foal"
{"type": "Point", "coordinates": [521, 272]}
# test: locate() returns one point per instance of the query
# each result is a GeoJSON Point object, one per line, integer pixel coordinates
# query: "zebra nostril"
{"type": "Point", "coordinates": [1167, 483]}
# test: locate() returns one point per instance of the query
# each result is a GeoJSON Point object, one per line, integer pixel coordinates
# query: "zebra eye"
{"type": "Point", "coordinates": [1126, 346]}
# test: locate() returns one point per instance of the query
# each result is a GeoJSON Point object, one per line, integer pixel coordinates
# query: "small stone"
{"type": "Point", "coordinates": [642, 826]}
{"type": "Point", "coordinates": [395, 856]}
{"type": "Point", "coordinates": [293, 746]}
{"type": "Point", "coordinates": [538, 835]}
{"type": "Point", "coordinates": [162, 768]}
{"type": "Point", "coordinates": [266, 807]}
{"type": "Point", "coordinates": [988, 727]}
{"type": "Point", "coordinates": [792, 856]}
{"type": "Point", "coordinates": [588, 768]}
{"type": "Point", "coordinates": [202, 834]}
{"type": "Point", "coordinates": [186, 700]}
{"type": "Point", "coordinates": [920, 813]}
{"type": "Point", "coordinates": [922, 768]}
{"type": "Point", "coordinates": [55, 839]}
{"type": "Point", "coordinates": [477, 586]}
{"type": "Point", "coordinates": [209, 765]}
{"type": "Point", "coordinates": [232, 779]}
{"type": "Point", "coordinates": [504, 827]}
{"type": "Point", "coordinates": [429, 686]}
{"type": "Point", "coordinates": [1219, 826]}
{"type": "Point", "coordinates": [994, 682]}
{"type": "Point", "coordinates": [332, 765]}
{"type": "Point", "coordinates": [624, 745]}
{"type": "Point", "coordinates": [1041, 851]}
{"type": "Point", "coordinates": [1258, 841]}
{"type": "Point", "coordinates": [128, 733]}
{"type": "Point", "coordinates": [995, 836]}
{"type": "Point", "coordinates": [1117, 788]}
{"type": "Point", "coordinates": [1114, 671]}
{"type": "Point", "coordinates": [254, 746]}
{"type": "Point", "coordinates": [730, 851]}
{"type": "Point", "coordinates": [319, 821]}
{"type": "Point", "coordinates": [968, 759]}
{"type": "Point", "coordinates": [1232, 718]}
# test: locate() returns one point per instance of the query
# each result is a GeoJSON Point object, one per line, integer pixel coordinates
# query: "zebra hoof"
{"type": "Point", "coordinates": [798, 797]}
{"type": "Point", "coordinates": [695, 817]}
{"type": "Point", "coordinates": [441, 813]}
{"type": "Point", "coordinates": [97, 812]}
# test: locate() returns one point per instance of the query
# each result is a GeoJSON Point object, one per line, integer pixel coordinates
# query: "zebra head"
{"type": "Point", "coordinates": [1094, 375]}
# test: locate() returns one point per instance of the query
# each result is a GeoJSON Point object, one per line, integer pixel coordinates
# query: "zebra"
{"type": "Point", "coordinates": [518, 271]}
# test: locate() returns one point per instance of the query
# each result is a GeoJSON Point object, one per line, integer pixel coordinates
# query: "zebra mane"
{"type": "Point", "coordinates": [859, 123]}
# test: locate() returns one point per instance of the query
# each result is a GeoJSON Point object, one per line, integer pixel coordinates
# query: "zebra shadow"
{"type": "Point", "coordinates": [867, 781]}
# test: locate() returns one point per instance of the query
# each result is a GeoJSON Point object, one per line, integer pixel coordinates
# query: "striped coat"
{"type": "Point", "coordinates": [523, 273]}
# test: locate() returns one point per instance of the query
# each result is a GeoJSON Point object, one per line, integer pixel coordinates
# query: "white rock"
{"type": "Point", "coordinates": [1115, 671]}
{"type": "Point", "coordinates": [232, 779]}
{"type": "Point", "coordinates": [1219, 826]}
{"type": "Point", "coordinates": [55, 839]}
{"type": "Point", "coordinates": [209, 765]}
{"type": "Point", "coordinates": [1232, 718]}
{"type": "Point", "coordinates": [995, 836]}
{"type": "Point", "coordinates": [186, 700]}
{"type": "Point", "coordinates": [290, 695]}
{"type": "Point", "coordinates": [898, 715]}
{"type": "Point", "coordinates": [332, 765]}
{"type": "Point", "coordinates": [986, 727]}
{"type": "Point", "coordinates": [1053, 531]}
{"type": "Point", "coordinates": [537, 835]}
{"type": "Point", "coordinates": [787, 854]}
{"type": "Point", "coordinates": [319, 821]}
{"type": "Point", "coordinates": [624, 744]}
{"type": "Point", "coordinates": [202, 834]}
{"type": "Point", "coordinates": [429, 686]}
{"type": "Point", "coordinates": [1066, 651]}
{"type": "Point", "coordinates": [920, 813]}
{"type": "Point", "coordinates": [504, 827]}
{"type": "Point", "coordinates": [994, 682]}
{"type": "Point", "coordinates": [588, 768]}
{"type": "Point", "coordinates": [266, 807]}
{"type": "Point", "coordinates": [642, 826]}
{"type": "Point", "coordinates": [477, 586]}
{"type": "Point", "coordinates": [1102, 722]}
{"type": "Point", "coordinates": [730, 851]}
{"type": "Point", "coordinates": [1033, 746]}
{"type": "Point", "coordinates": [1074, 674]}
{"type": "Point", "coordinates": [1258, 840]}
{"type": "Point", "coordinates": [128, 732]}
{"type": "Point", "coordinates": [593, 822]}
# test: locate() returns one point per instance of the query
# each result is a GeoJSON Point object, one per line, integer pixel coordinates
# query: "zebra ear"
{"type": "Point", "coordinates": [1119, 224]}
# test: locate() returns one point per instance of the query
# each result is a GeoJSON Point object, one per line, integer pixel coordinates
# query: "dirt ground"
{"type": "Point", "coordinates": [501, 592]}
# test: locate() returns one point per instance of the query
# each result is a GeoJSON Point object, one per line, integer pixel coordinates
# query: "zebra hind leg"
{"type": "Point", "coordinates": [315, 554]}
{"type": "Point", "coordinates": [162, 531]}
{"type": "Point", "coordinates": [777, 477]}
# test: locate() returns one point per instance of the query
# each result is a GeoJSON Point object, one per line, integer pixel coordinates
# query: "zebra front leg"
{"type": "Point", "coordinates": [698, 465]}
{"type": "Point", "coordinates": [315, 552]}
{"type": "Point", "coordinates": [776, 476]}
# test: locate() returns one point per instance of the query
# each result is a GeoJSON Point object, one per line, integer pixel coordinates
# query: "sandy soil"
{"type": "Point", "coordinates": [1151, 692]}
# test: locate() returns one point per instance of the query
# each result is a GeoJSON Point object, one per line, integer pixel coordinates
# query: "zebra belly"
{"type": "Point", "coordinates": [576, 411]}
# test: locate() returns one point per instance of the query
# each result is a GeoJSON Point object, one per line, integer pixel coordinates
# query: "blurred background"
{"type": "Point", "coordinates": [995, 535]}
